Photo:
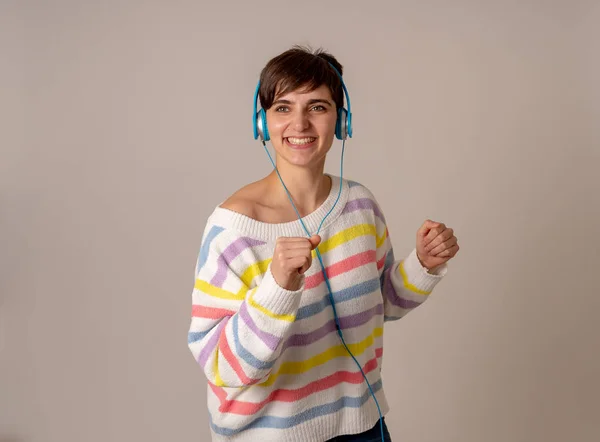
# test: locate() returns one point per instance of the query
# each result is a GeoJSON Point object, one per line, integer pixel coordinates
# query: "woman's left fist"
{"type": "Point", "coordinates": [436, 244]}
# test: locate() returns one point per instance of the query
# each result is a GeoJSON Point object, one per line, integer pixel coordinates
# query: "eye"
{"type": "Point", "coordinates": [319, 107]}
{"type": "Point", "coordinates": [281, 109]}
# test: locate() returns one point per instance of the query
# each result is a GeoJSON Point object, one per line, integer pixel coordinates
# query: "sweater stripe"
{"type": "Point", "coordinates": [229, 254]}
{"type": "Point", "coordinates": [364, 204]}
{"type": "Point", "coordinates": [232, 361]}
{"type": "Point", "coordinates": [288, 422]}
{"type": "Point", "coordinates": [202, 311]}
{"type": "Point", "coordinates": [205, 247]}
{"type": "Point", "coordinates": [217, 292]}
{"type": "Point", "coordinates": [338, 351]}
{"type": "Point", "coordinates": [347, 322]}
{"type": "Point", "coordinates": [301, 340]}
{"type": "Point", "coordinates": [245, 354]}
{"type": "Point", "coordinates": [270, 340]}
{"type": "Point", "coordinates": [260, 308]}
{"type": "Point", "coordinates": [234, 406]}
{"type": "Point", "coordinates": [407, 283]}
{"type": "Point", "coordinates": [211, 345]}
{"type": "Point", "coordinates": [312, 281]}
{"type": "Point", "coordinates": [392, 295]}
{"type": "Point", "coordinates": [350, 293]}
{"type": "Point", "coordinates": [349, 234]}
{"type": "Point", "coordinates": [381, 263]}
{"type": "Point", "coordinates": [257, 269]}
{"type": "Point", "coordinates": [340, 267]}
{"type": "Point", "coordinates": [252, 272]}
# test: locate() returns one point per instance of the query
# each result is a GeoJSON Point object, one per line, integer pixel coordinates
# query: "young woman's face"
{"type": "Point", "coordinates": [302, 125]}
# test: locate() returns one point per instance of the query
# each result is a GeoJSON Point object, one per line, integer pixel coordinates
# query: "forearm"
{"type": "Point", "coordinates": [240, 347]}
{"type": "Point", "coordinates": [406, 284]}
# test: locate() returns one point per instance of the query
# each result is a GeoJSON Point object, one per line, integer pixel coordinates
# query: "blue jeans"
{"type": "Point", "coordinates": [372, 435]}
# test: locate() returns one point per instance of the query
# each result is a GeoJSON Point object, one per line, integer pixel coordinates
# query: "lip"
{"type": "Point", "coordinates": [301, 146]}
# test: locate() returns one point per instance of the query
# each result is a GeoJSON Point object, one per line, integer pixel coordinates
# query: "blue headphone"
{"type": "Point", "coordinates": [343, 124]}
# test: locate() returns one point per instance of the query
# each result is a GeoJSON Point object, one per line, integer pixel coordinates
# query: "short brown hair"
{"type": "Point", "coordinates": [300, 67]}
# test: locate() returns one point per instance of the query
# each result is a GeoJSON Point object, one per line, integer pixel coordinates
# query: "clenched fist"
{"type": "Point", "coordinates": [291, 258]}
{"type": "Point", "coordinates": [436, 244]}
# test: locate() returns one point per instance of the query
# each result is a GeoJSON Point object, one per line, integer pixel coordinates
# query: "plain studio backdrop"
{"type": "Point", "coordinates": [124, 123]}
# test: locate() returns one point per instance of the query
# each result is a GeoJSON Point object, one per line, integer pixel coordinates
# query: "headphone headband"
{"type": "Point", "coordinates": [343, 86]}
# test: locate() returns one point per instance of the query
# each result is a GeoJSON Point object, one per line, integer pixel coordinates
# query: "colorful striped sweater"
{"type": "Point", "coordinates": [276, 367]}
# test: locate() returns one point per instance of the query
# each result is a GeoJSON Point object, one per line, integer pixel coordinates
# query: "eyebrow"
{"type": "Point", "coordinates": [313, 101]}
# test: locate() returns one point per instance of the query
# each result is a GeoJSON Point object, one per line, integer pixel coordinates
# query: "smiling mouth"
{"type": "Point", "coordinates": [300, 142]}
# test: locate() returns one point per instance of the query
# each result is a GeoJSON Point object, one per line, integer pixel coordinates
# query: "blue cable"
{"type": "Point", "coordinates": [337, 323]}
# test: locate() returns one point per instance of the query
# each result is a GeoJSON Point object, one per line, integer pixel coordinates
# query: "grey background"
{"type": "Point", "coordinates": [123, 123]}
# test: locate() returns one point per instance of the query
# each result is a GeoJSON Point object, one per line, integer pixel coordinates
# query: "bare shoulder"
{"type": "Point", "coordinates": [245, 200]}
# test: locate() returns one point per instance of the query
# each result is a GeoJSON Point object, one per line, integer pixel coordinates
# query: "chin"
{"type": "Point", "coordinates": [302, 162]}
{"type": "Point", "coordinates": [294, 159]}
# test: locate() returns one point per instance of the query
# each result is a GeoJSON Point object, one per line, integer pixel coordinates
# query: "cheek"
{"type": "Point", "coordinates": [276, 125]}
{"type": "Point", "coordinates": [326, 126]}
{"type": "Point", "coordinates": [324, 123]}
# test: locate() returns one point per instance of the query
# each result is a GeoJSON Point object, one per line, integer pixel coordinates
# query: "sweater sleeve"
{"type": "Point", "coordinates": [237, 326]}
{"type": "Point", "coordinates": [405, 283]}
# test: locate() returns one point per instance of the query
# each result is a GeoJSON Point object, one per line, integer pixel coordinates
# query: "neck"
{"type": "Point", "coordinates": [308, 188]}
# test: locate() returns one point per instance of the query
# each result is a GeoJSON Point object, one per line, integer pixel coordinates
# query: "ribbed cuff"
{"type": "Point", "coordinates": [275, 298]}
{"type": "Point", "coordinates": [418, 275]}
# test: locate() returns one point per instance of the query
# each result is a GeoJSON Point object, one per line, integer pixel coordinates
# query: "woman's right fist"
{"type": "Point", "coordinates": [291, 258]}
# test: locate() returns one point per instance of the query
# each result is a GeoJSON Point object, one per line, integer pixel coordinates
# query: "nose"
{"type": "Point", "coordinates": [301, 121]}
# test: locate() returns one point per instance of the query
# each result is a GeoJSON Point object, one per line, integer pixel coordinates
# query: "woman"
{"type": "Point", "coordinates": [296, 276]}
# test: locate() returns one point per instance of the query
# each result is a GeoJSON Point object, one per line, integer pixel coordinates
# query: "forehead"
{"type": "Point", "coordinates": [303, 93]}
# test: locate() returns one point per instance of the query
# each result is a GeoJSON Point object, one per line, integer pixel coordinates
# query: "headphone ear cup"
{"type": "Point", "coordinates": [265, 128]}
{"type": "Point", "coordinates": [349, 124]}
{"type": "Point", "coordinates": [341, 124]}
{"type": "Point", "coordinates": [255, 125]}
{"type": "Point", "coordinates": [260, 126]}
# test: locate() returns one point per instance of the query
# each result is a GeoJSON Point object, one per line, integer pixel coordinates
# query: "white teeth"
{"type": "Point", "coordinates": [301, 141]}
